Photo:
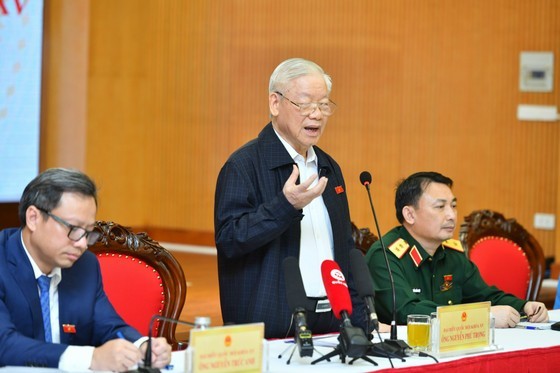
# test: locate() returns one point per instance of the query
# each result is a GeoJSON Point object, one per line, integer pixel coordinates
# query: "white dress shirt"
{"type": "Point", "coordinates": [316, 241]}
{"type": "Point", "coordinates": [74, 358]}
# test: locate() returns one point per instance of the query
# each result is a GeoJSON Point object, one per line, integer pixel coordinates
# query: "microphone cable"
{"type": "Point", "coordinates": [425, 354]}
{"type": "Point", "coordinates": [387, 355]}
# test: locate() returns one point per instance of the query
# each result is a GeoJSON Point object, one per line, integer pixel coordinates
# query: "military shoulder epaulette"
{"type": "Point", "coordinates": [399, 247]}
{"type": "Point", "coordinates": [453, 244]}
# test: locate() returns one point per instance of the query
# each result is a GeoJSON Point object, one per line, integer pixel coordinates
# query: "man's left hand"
{"type": "Point", "coordinates": [161, 352]}
{"type": "Point", "coordinates": [536, 312]}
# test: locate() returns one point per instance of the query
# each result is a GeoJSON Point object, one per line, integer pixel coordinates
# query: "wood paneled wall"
{"type": "Point", "coordinates": [174, 87]}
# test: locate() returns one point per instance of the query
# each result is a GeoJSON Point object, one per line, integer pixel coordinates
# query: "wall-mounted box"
{"type": "Point", "coordinates": [544, 221]}
{"type": "Point", "coordinates": [536, 71]}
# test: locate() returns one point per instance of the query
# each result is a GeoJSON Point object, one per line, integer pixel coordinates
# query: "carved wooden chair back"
{"type": "Point", "coordinates": [506, 254]}
{"type": "Point", "coordinates": [363, 238]}
{"type": "Point", "coordinates": [140, 278]}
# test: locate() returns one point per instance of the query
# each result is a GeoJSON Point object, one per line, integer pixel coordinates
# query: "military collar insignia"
{"type": "Point", "coordinates": [399, 247]}
{"type": "Point", "coordinates": [416, 256]}
{"type": "Point", "coordinates": [453, 245]}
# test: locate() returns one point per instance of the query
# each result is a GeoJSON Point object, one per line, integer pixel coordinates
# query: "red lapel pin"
{"type": "Point", "coordinates": [69, 328]}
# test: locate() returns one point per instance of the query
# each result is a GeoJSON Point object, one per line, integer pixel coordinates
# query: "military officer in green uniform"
{"type": "Point", "coordinates": [430, 268]}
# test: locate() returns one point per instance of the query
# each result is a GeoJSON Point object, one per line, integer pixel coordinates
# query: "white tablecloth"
{"type": "Point", "coordinates": [507, 339]}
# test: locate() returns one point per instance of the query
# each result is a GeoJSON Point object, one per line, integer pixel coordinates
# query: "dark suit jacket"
{"type": "Point", "coordinates": [82, 303]}
{"type": "Point", "coordinates": [256, 228]}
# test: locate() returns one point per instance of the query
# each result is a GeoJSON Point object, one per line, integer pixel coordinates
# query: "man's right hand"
{"type": "Point", "coordinates": [117, 355]}
{"type": "Point", "coordinates": [300, 195]}
{"type": "Point", "coordinates": [506, 316]}
{"type": "Point", "coordinates": [384, 328]}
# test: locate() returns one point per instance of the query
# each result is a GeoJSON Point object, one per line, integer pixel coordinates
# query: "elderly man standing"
{"type": "Point", "coordinates": [278, 196]}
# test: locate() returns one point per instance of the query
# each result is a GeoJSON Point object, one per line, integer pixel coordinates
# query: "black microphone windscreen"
{"type": "Point", "coordinates": [365, 178]}
{"type": "Point", "coordinates": [361, 275]}
{"type": "Point", "coordinates": [295, 291]}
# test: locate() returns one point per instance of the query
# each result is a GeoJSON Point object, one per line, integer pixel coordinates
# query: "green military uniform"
{"type": "Point", "coordinates": [422, 282]}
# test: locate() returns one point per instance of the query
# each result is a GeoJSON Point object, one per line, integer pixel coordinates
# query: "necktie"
{"type": "Point", "coordinates": [44, 285]}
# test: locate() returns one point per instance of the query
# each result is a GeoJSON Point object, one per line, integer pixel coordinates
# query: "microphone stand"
{"type": "Point", "coordinates": [393, 344]}
{"type": "Point", "coordinates": [366, 290]}
{"type": "Point", "coordinates": [303, 338]}
{"type": "Point", "coordinates": [383, 349]}
{"type": "Point", "coordinates": [352, 342]}
{"type": "Point", "coordinates": [147, 368]}
{"type": "Point", "coordinates": [299, 304]}
{"type": "Point", "coordinates": [299, 338]}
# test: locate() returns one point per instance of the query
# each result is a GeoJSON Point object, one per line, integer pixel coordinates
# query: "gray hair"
{"type": "Point", "coordinates": [46, 189]}
{"type": "Point", "coordinates": [292, 69]}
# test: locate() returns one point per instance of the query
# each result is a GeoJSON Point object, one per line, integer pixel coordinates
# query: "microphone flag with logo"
{"type": "Point", "coordinates": [336, 287]}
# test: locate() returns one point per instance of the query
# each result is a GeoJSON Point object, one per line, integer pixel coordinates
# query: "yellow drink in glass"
{"type": "Point", "coordinates": [418, 332]}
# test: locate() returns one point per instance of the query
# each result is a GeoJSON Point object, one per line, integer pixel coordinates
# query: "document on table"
{"type": "Point", "coordinates": [534, 325]}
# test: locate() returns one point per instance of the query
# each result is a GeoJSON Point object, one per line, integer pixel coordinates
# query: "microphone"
{"type": "Point", "coordinates": [147, 368]}
{"type": "Point", "coordinates": [364, 285]}
{"type": "Point", "coordinates": [365, 179]}
{"type": "Point", "coordinates": [337, 289]}
{"type": "Point", "coordinates": [298, 302]}
{"type": "Point", "coordinates": [353, 341]}
{"type": "Point", "coordinates": [399, 345]}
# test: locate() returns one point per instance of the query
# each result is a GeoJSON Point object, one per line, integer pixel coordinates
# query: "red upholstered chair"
{"type": "Point", "coordinates": [141, 279]}
{"type": "Point", "coordinates": [506, 254]}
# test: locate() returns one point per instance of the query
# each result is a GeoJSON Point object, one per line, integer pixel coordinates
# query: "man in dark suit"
{"type": "Point", "coordinates": [69, 324]}
{"type": "Point", "coordinates": [279, 196]}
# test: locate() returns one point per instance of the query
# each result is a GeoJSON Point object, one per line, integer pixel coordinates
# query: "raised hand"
{"type": "Point", "coordinates": [300, 195]}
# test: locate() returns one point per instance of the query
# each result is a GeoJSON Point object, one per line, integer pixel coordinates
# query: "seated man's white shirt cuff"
{"type": "Point", "coordinates": [139, 342]}
{"type": "Point", "coordinates": [79, 358]}
{"type": "Point", "coordinates": [76, 359]}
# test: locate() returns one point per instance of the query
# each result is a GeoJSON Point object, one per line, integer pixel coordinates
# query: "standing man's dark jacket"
{"type": "Point", "coordinates": [257, 228]}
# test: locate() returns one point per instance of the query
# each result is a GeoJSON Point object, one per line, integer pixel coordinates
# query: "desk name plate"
{"type": "Point", "coordinates": [235, 348]}
{"type": "Point", "coordinates": [463, 329]}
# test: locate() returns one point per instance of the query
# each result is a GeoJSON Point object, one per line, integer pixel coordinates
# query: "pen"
{"type": "Point", "coordinates": [525, 317]}
{"type": "Point", "coordinates": [537, 311]}
{"type": "Point", "coordinates": [528, 327]}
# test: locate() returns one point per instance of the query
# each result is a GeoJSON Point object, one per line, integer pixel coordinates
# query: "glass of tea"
{"type": "Point", "coordinates": [418, 332]}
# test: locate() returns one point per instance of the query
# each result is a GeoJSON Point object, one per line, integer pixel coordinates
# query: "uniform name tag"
{"type": "Point", "coordinates": [416, 291]}
{"type": "Point", "coordinates": [323, 305]}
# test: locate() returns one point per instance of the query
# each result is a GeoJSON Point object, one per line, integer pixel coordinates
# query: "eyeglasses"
{"type": "Point", "coordinates": [75, 233]}
{"type": "Point", "coordinates": [327, 108]}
